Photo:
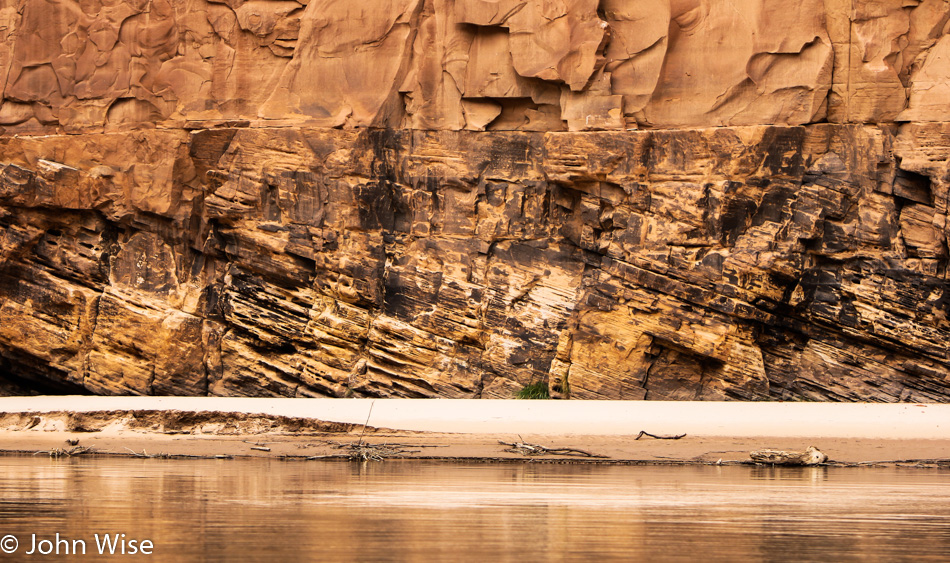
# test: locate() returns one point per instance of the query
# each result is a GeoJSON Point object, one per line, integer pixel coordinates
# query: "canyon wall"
{"type": "Point", "coordinates": [77, 66]}
{"type": "Point", "coordinates": [683, 199]}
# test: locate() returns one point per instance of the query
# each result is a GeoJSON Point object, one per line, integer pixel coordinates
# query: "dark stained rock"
{"type": "Point", "coordinates": [754, 263]}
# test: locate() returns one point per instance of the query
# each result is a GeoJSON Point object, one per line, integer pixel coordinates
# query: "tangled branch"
{"type": "Point", "coordinates": [536, 449]}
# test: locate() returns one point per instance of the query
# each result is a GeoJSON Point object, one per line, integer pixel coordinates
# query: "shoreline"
{"type": "Point", "coordinates": [608, 418]}
{"type": "Point", "coordinates": [243, 428]}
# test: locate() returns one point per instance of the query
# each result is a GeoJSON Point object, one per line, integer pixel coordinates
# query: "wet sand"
{"type": "Point", "coordinates": [300, 429]}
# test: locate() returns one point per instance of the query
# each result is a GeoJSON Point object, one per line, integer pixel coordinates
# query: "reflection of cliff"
{"type": "Point", "coordinates": [179, 217]}
{"type": "Point", "coordinates": [469, 64]}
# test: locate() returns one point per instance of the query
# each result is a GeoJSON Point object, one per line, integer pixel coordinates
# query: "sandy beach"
{"type": "Point", "coordinates": [314, 429]}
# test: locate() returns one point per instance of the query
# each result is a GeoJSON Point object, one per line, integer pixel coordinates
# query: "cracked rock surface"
{"type": "Point", "coordinates": [732, 263]}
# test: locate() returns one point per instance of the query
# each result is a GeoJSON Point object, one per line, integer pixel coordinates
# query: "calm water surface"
{"type": "Point", "coordinates": [424, 511]}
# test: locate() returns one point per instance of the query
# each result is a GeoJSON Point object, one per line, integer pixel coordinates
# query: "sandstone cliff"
{"type": "Point", "coordinates": [686, 199]}
{"type": "Point", "coordinates": [535, 65]}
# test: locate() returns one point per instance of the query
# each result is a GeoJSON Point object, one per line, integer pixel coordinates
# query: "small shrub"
{"type": "Point", "coordinates": [537, 390]}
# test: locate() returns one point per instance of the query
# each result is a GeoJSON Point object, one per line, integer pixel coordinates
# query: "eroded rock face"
{"type": "Point", "coordinates": [732, 263]}
{"type": "Point", "coordinates": [537, 65]}
{"type": "Point", "coordinates": [661, 199]}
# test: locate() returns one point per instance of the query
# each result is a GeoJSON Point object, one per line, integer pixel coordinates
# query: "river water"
{"type": "Point", "coordinates": [259, 510]}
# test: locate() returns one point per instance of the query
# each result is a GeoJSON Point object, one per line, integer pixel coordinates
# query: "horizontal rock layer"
{"type": "Point", "coordinates": [537, 65]}
{"type": "Point", "coordinates": [790, 263]}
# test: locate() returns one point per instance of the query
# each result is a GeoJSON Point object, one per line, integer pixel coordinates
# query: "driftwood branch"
{"type": "Point", "coordinates": [811, 456]}
{"type": "Point", "coordinates": [68, 452]}
{"type": "Point", "coordinates": [536, 449]}
{"type": "Point", "coordinates": [939, 462]}
{"type": "Point", "coordinates": [364, 451]}
{"type": "Point", "coordinates": [658, 436]}
{"type": "Point", "coordinates": [147, 455]}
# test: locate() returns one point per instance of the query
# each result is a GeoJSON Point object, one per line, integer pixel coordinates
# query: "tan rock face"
{"type": "Point", "coordinates": [470, 64]}
{"type": "Point", "coordinates": [661, 199]}
{"type": "Point", "coordinates": [733, 263]}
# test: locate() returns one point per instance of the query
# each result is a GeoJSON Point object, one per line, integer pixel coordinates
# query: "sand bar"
{"type": "Point", "coordinates": [606, 418]}
{"type": "Point", "coordinates": [459, 430]}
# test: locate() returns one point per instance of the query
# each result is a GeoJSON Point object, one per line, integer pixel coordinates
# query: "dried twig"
{"type": "Point", "coordinates": [536, 449]}
{"type": "Point", "coordinates": [658, 436]}
{"type": "Point", "coordinates": [260, 448]}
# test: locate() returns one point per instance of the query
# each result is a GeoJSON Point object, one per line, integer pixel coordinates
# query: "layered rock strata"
{"type": "Point", "coordinates": [661, 199]}
{"type": "Point", "coordinates": [728, 263]}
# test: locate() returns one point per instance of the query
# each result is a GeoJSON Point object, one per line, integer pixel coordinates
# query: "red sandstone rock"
{"type": "Point", "coordinates": [469, 64]}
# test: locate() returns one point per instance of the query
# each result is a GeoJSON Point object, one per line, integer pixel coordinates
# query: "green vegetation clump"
{"type": "Point", "coordinates": [537, 390]}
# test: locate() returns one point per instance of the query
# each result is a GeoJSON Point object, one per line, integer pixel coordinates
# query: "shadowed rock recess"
{"type": "Point", "coordinates": [685, 199]}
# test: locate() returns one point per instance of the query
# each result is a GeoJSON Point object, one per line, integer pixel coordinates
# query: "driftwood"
{"type": "Point", "coordinates": [658, 437]}
{"type": "Point", "coordinates": [811, 456]}
{"type": "Point", "coordinates": [147, 455]}
{"type": "Point", "coordinates": [360, 452]}
{"type": "Point", "coordinates": [535, 449]}
{"type": "Point", "coordinates": [259, 446]}
{"type": "Point", "coordinates": [68, 452]}
{"type": "Point", "coordinates": [929, 462]}
{"type": "Point", "coordinates": [363, 451]}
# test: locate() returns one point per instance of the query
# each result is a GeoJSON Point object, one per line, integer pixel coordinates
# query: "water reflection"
{"type": "Point", "coordinates": [252, 510]}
